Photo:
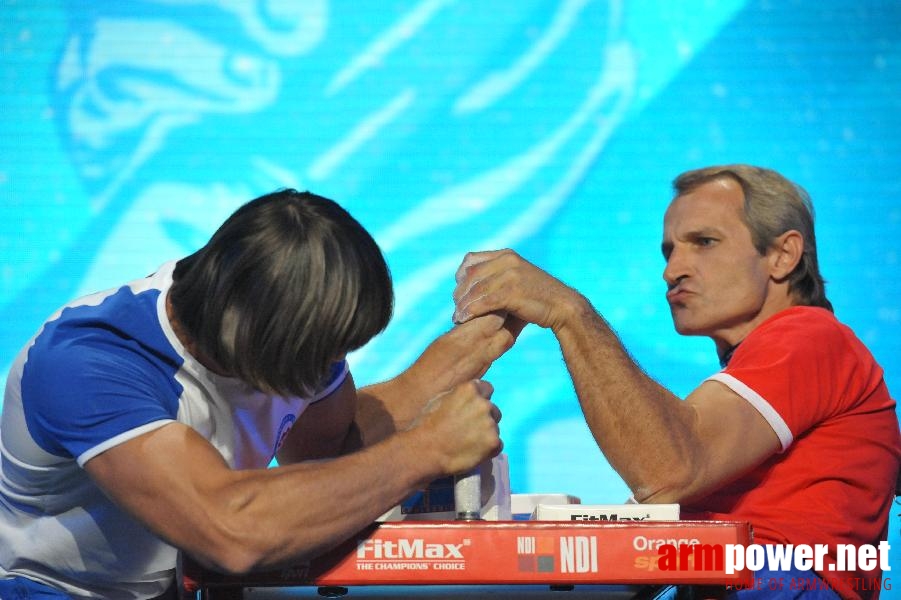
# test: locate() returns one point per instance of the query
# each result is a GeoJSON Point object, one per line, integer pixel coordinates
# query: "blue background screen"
{"type": "Point", "coordinates": [130, 130]}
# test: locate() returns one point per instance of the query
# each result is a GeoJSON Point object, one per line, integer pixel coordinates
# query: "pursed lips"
{"type": "Point", "coordinates": [677, 294]}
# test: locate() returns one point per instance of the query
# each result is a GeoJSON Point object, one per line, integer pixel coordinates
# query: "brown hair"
{"type": "Point", "coordinates": [285, 287]}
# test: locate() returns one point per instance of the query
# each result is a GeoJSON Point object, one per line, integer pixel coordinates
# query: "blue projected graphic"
{"type": "Point", "coordinates": [129, 131]}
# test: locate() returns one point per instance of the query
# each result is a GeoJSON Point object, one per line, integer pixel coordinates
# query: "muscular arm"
{"type": "Point", "coordinates": [459, 355]}
{"type": "Point", "coordinates": [178, 485]}
{"type": "Point", "coordinates": [350, 419]}
{"type": "Point", "coordinates": [664, 448]}
{"type": "Point", "coordinates": [463, 353]}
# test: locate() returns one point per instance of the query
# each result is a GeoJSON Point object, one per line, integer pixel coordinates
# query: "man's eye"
{"type": "Point", "coordinates": [706, 241]}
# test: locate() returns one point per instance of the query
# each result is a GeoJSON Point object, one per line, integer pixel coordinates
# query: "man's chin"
{"type": "Point", "coordinates": [683, 328]}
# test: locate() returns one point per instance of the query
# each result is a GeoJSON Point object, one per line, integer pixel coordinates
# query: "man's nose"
{"type": "Point", "coordinates": [676, 267]}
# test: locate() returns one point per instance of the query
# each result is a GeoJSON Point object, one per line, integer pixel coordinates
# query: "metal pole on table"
{"type": "Point", "coordinates": [468, 495]}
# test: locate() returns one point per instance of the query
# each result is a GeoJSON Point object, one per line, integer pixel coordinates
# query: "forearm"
{"type": "Point", "coordinates": [263, 519]}
{"type": "Point", "coordinates": [461, 354]}
{"type": "Point", "coordinates": [179, 486]}
{"type": "Point", "coordinates": [303, 509]}
{"type": "Point", "coordinates": [384, 409]}
{"type": "Point", "coordinates": [646, 432]}
{"type": "Point", "coordinates": [666, 449]}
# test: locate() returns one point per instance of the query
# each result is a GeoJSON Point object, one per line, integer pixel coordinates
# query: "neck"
{"type": "Point", "coordinates": [188, 342]}
{"type": "Point", "coordinates": [729, 340]}
{"type": "Point", "coordinates": [724, 353]}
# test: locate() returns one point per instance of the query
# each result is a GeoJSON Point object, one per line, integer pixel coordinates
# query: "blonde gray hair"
{"type": "Point", "coordinates": [772, 206]}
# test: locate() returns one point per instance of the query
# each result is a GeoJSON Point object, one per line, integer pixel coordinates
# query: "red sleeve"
{"type": "Point", "coordinates": [799, 368]}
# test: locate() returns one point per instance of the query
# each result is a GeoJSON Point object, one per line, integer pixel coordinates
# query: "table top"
{"type": "Point", "coordinates": [503, 559]}
{"type": "Point", "coordinates": [453, 592]}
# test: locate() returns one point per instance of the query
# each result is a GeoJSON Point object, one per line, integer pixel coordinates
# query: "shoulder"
{"type": "Point", "coordinates": [799, 329]}
{"type": "Point", "coordinates": [118, 323]}
{"type": "Point", "coordinates": [111, 330]}
{"type": "Point", "coordinates": [807, 353]}
{"type": "Point", "coordinates": [101, 366]}
{"type": "Point", "coordinates": [801, 318]}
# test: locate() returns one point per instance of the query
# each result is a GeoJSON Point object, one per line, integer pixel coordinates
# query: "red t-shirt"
{"type": "Point", "coordinates": [833, 483]}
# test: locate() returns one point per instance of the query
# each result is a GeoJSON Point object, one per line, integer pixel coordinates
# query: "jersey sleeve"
{"type": "Point", "coordinates": [797, 370]}
{"type": "Point", "coordinates": [81, 399]}
{"type": "Point", "coordinates": [337, 375]}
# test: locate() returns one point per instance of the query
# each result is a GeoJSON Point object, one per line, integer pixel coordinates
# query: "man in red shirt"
{"type": "Point", "coordinates": [797, 434]}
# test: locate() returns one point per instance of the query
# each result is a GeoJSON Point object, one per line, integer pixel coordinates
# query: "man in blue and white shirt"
{"type": "Point", "coordinates": [140, 421]}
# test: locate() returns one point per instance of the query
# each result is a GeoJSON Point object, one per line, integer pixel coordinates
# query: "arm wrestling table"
{"type": "Point", "coordinates": [495, 559]}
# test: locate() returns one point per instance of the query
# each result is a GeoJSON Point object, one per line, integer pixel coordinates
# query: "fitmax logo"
{"type": "Point", "coordinates": [404, 549]}
{"type": "Point", "coordinates": [606, 517]}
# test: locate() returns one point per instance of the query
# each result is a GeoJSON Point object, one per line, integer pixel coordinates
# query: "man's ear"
{"type": "Point", "coordinates": [785, 254]}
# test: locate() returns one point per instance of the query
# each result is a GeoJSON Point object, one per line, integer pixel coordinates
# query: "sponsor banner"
{"type": "Point", "coordinates": [523, 506]}
{"type": "Point", "coordinates": [607, 512]}
{"type": "Point", "coordinates": [507, 552]}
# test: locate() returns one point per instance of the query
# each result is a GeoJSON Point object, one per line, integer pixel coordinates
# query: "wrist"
{"type": "Point", "coordinates": [434, 371]}
{"type": "Point", "coordinates": [572, 313]}
{"type": "Point", "coordinates": [425, 462]}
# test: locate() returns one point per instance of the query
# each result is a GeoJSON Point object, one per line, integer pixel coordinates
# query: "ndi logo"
{"type": "Point", "coordinates": [535, 554]}
{"type": "Point", "coordinates": [578, 554]}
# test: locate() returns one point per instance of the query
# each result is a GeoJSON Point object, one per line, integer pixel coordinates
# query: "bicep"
{"type": "Point", "coordinates": [325, 429]}
{"type": "Point", "coordinates": [734, 437]}
{"type": "Point", "coordinates": [170, 480]}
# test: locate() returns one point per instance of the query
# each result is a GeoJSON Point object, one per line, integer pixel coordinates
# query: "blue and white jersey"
{"type": "Point", "coordinates": [103, 370]}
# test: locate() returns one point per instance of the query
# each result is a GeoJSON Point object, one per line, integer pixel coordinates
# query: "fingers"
{"type": "Point", "coordinates": [475, 277]}
{"type": "Point", "coordinates": [502, 281]}
{"type": "Point", "coordinates": [463, 426]}
{"type": "Point", "coordinates": [484, 389]}
{"type": "Point", "coordinates": [474, 258]}
{"type": "Point", "coordinates": [484, 326]}
{"type": "Point", "coordinates": [514, 325]}
{"type": "Point", "coordinates": [484, 339]}
{"type": "Point", "coordinates": [496, 413]}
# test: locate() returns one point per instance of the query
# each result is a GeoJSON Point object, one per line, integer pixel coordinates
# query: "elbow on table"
{"type": "Point", "coordinates": [235, 561]}
{"type": "Point", "coordinates": [229, 551]}
{"type": "Point", "coordinates": [673, 486]}
{"type": "Point", "coordinates": [236, 546]}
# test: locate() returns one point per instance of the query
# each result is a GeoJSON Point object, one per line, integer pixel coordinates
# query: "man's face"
{"type": "Point", "coordinates": [717, 281]}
